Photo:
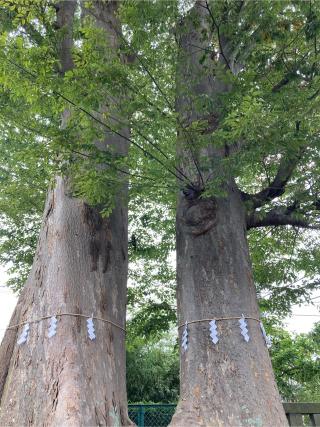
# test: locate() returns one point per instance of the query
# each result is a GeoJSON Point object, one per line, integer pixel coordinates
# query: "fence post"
{"type": "Point", "coordinates": [141, 416]}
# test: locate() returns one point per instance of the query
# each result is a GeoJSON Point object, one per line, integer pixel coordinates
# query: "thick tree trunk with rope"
{"type": "Point", "coordinates": [79, 270]}
{"type": "Point", "coordinates": [80, 267]}
{"type": "Point", "coordinates": [230, 383]}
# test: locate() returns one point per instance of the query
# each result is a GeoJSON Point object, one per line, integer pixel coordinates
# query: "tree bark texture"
{"type": "Point", "coordinates": [230, 383]}
{"type": "Point", "coordinates": [80, 267]}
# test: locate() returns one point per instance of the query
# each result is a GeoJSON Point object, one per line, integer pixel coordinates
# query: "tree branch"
{"type": "Point", "coordinates": [277, 187]}
{"type": "Point", "coordinates": [283, 82]}
{"type": "Point", "coordinates": [217, 27]}
{"type": "Point", "coordinates": [284, 215]}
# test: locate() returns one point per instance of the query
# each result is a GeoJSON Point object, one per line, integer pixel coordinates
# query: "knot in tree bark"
{"type": "Point", "coordinates": [200, 215]}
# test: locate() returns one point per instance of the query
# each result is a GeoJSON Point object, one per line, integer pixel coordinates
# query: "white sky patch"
{"type": "Point", "coordinates": [304, 316]}
{"type": "Point", "coordinates": [8, 301]}
{"type": "Point", "coordinates": [185, 5]}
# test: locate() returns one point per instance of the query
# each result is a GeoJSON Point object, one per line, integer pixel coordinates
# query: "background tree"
{"type": "Point", "coordinates": [152, 370]}
{"type": "Point", "coordinates": [295, 361]}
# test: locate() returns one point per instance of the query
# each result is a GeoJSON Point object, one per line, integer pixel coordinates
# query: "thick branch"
{"type": "Point", "coordinates": [279, 216]}
{"type": "Point", "coordinates": [220, 38]}
{"type": "Point", "coordinates": [284, 81]}
{"type": "Point", "coordinates": [277, 186]}
{"type": "Point", "coordinates": [65, 12]}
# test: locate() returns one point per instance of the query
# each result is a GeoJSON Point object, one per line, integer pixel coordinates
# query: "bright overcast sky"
{"type": "Point", "coordinates": [294, 324]}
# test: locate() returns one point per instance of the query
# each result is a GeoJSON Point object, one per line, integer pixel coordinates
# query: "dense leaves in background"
{"type": "Point", "coordinates": [296, 363]}
{"type": "Point", "coordinates": [152, 372]}
{"type": "Point", "coordinates": [153, 368]}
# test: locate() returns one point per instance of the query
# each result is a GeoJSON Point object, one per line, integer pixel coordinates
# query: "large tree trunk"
{"type": "Point", "coordinates": [80, 267]}
{"type": "Point", "coordinates": [230, 383]}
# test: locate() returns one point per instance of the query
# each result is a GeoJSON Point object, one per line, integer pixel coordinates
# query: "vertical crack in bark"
{"type": "Point", "coordinates": [100, 243]}
{"type": "Point", "coordinates": [55, 389]}
{"type": "Point", "coordinates": [30, 418]}
{"type": "Point", "coordinates": [50, 207]}
{"type": "Point", "coordinates": [97, 416]}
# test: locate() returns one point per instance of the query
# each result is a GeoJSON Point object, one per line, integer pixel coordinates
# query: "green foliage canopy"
{"type": "Point", "coordinates": [269, 119]}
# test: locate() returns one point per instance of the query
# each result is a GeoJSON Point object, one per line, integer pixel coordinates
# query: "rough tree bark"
{"type": "Point", "coordinates": [80, 266]}
{"type": "Point", "coordinates": [230, 383]}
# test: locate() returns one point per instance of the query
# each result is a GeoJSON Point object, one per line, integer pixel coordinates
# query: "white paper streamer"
{"type": "Point", "coordinates": [265, 336]}
{"type": "Point", "coordinates": [184, 338]}
{"type": "Point", "coordinates": [244, 328]}
{"type": "Point", "coordinates": [24, 335]}
{"type": "Point", "coordinates": [90, 328]}
{"type": "Point", "coordinates": [213, 332]}
{"type": "Point", "coordinates": [52, 327]}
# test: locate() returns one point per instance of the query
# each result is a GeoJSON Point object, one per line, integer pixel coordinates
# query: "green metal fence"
{"type": "Point", "coordinates": [148, 415]}
{"type": "Point", "coordinates": [159, 415]}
